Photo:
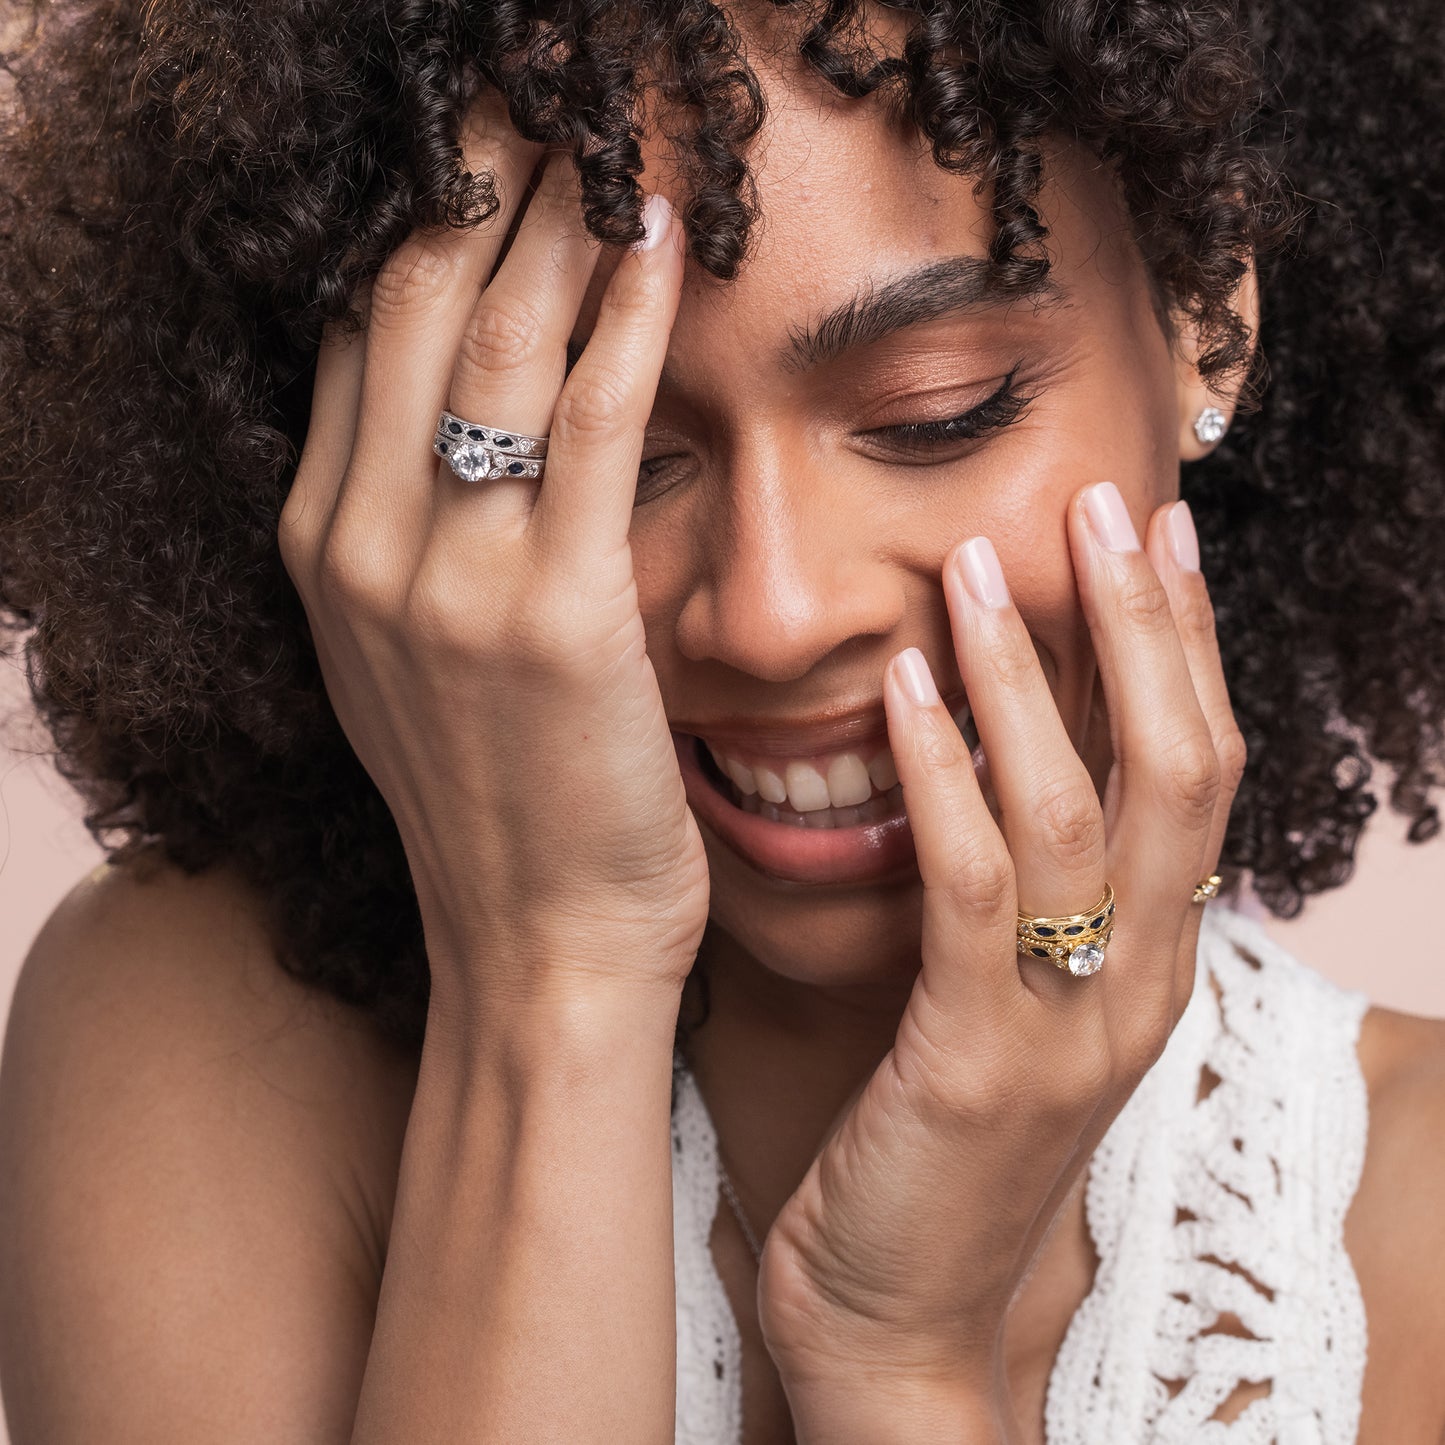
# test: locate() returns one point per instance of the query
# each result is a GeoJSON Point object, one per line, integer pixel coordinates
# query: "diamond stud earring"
{"type": "Point", "coordinates": [1210, 425]}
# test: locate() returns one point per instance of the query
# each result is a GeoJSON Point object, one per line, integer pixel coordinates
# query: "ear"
{"type": "Point", "coordinates": [1194, 395]}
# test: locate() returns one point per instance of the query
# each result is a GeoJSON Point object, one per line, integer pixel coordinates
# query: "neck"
{"type": "Point", "coordinates": [777, 1062]}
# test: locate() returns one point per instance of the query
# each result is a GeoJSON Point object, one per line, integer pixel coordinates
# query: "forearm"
{"type": "Point", "coordinates": [528, 1292]}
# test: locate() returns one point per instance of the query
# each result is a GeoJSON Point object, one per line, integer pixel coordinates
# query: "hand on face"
{"type": "Point", "coordinates": [481, 642]}
{"type": "Point", "coordinates": [903, 1246]}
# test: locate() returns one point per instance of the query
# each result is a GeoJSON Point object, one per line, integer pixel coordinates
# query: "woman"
{"type": "Point", "coordinates": [502, 650]}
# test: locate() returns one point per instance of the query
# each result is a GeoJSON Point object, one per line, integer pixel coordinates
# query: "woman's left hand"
{"type": "Point", "coordinates": [895, 1261]}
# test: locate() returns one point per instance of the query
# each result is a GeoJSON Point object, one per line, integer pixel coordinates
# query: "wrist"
{"type": "Point", "coordinates": [554, 990]}
{"type": "Point", "coordinates": [900, 1409]}
{"type": "Point", "coordinates": [545, 1010]}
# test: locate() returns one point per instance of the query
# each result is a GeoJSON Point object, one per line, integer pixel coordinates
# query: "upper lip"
{"type": "Point", "coordinates": [836, 730]}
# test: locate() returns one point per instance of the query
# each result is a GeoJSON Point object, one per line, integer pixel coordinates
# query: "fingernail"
{"type": "Point", "coordinates": [1109, 518]}
{"type": "Point", "coordinates": [917, 680]}
{"type": "Point", "coordinates": [1182, 538]}
{"type": "Point", "coordinates": [657, 221]}
{"type": "Point", "coordinates": [979, 567]}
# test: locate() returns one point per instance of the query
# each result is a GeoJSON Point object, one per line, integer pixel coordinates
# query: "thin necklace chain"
{"type": "Point", "coordinates": [731, 1195]}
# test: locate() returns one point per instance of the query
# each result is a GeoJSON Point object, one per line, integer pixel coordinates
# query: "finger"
{"type": "Point", "coordinates": [1167, 774]}
{"type": "Point", "coordinates": [330, 433]}
{"type": "Point", "coordinates": [1173, 547]}
{"type": "Point", "coordinates": [1049, 809]}
{"type": "Point", "coordinates": [584, 510]}
{"type": "Point", "coordinates": [513, 355]}
{"type": "Point", "coordinates": [422, 299]}
{"type": "Point", "coordinates": [969, 891]}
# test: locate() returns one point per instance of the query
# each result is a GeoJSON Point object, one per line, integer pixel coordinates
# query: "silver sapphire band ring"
{"type": "Point", "coordinates": [485, 453]}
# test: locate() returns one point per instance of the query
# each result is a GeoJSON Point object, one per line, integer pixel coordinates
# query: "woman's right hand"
{"type": "Point", "coordinates": [481, 643]}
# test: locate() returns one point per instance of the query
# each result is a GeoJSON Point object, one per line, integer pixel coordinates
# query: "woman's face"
{"type": "Point", "coordinates": [787, 543]}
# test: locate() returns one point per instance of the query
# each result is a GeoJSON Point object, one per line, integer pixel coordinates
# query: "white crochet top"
{"type": "Point", "coordinates": [1259, 1173]}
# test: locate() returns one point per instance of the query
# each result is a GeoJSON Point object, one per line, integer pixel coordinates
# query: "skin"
{"type": "Point", "coordinates": [784, 569]}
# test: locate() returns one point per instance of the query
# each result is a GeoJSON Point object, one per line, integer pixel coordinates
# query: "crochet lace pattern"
{"type": "Point", "coordinates": [1220, 1188]}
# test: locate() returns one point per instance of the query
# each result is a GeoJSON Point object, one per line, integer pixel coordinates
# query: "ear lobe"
{"type": "Point", "coordinates": [1194, 395]}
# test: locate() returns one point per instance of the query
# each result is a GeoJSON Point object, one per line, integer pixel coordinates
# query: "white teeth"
{"type": "Point", "coordinates": [882, 805]}
{"type": "Point", "coordinates": [848, 781]}
{"type": "Point", "coordinates": [741, 774]}
{"type": "Point", "coordinates": [882, 772]}
{"type": "Point", "coordinates": [771, 785]}
{"type": "Point", "coordinates": [807, 788]}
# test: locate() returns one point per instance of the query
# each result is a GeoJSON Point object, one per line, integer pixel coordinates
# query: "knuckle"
{"type": "Point", "coordinates": [1073, 823]}
{"type": "Point", "coordinates": [1195, 609]}
{"type": "Point", "coordinates": [1015, 665]}
{"type": "Point", "coordinates": [981, 878]}
{"type": "Point", "coordinates": [501, 336]}
{"type": "Point", "coordinates": [421, 272]}
{"type": "Point", "coordinates": [296, 538]}
{"type": "Point", "coordinates": [938, 746]}
{"type": "Point", "coordinates": [592, 404]}
{"type": "Point", "coordinates": [351, 571]}
{"type": "Point", "coordinates": [1140, 1048]}
{"type": "Point", "coordinates": [439, 613]}
{"type": "Point", "coordinates": [1143, 604]}
{"type": "Point", "coordinates": [1233, 755]}
{"type": "Point", "coordinates": [1191, 777]}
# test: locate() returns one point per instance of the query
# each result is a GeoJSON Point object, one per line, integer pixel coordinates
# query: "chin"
{"type": "Point", "coordinates": [827, 937]}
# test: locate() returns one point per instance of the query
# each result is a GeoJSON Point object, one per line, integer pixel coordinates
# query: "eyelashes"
{"type": "Point", "coordinates": [1005, 406]}
{"type": "Point", "coordinates": [1002, 408]}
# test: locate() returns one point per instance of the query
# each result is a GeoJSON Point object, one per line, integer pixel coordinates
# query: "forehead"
{"type": "Point", "coordinates": [850, 197]}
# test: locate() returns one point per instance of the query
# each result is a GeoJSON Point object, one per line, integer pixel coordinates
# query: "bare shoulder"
{"type": "Point", "coordinates": [1392, 1231]}
{"type": "Point", "coordinates": [199, 1160]}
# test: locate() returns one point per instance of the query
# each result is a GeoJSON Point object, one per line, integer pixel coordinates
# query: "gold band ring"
{"type": "Point", "coordinates": [1074, 942]}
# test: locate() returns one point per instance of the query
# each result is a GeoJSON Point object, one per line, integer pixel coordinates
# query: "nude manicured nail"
{"type": "Point", "coordinates": [914, 674]}
{"type": "Point", "coordinates": [657, 218]}
{"type": "Point", "coordinates": [1182, 538]}
{"type": "Point", "coordinates": [978, 565]}
{"type": "Point", "coordinates": [1109, 518]}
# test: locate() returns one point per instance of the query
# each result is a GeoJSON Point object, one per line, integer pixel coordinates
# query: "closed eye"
{"type": "Point", "coordinates": [1004, 407]}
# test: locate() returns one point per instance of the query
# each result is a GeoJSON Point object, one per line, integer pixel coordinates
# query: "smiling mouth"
{"type": "Point", "coordinates": [885, 803]}
{"type": "Point", "coordinates": [882, 805]}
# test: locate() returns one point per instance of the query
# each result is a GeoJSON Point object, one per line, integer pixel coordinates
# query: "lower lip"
{"type": "Point", "coordinates": [864, 853]}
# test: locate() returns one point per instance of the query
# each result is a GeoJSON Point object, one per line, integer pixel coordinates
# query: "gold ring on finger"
{"type": "Point", "coordinates": [1207, 888]}
{"type": "Point", "coordinates": [1073, 942]}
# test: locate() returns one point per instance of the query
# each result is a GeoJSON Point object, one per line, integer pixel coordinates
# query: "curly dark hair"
{"type": "Point", "coordinates": [189, 191]}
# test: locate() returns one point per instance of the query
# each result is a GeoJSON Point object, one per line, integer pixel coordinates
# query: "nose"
{"type": "Point", "coordinates": [798, 568]}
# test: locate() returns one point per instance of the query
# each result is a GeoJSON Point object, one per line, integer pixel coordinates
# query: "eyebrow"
{"type": "Point", "coordinates": [949, 287]}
